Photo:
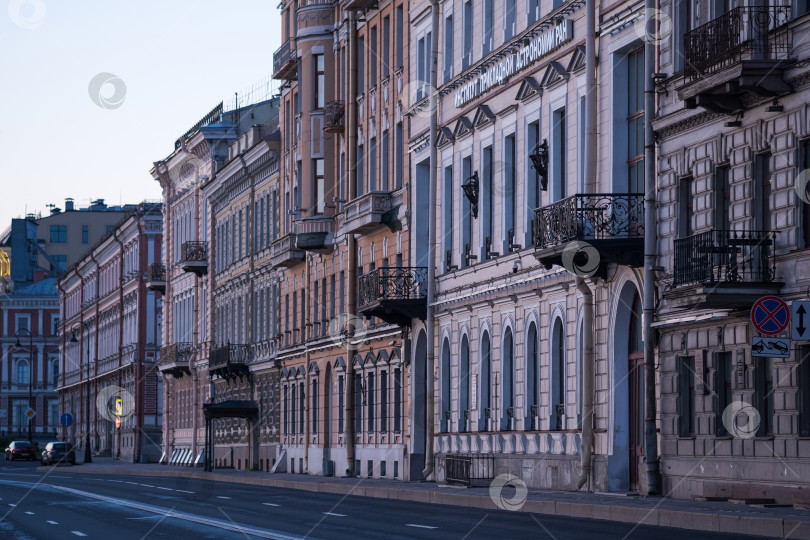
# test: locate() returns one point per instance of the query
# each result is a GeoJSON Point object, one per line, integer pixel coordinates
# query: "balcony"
{"type": "Point", "coordinates": [737, 59]}
{"type": "Point", "coordinates": [229, 361]}
{"type": "Point", "coordinates": [285, 251]}
{"type": "Point", "coordinates": [611, 223]}
{"type": "Point", "coordinates": [156, 278]}
{"type": "Point", "coordinates": [174, 359]}
{"type": "Point", "coordinates": [723, 269]}
{"type": "Point", "coordinates": [285, 61]}
{"type": "Point", "coordinates": [359, 4]}
{"type": "Point", "coordinates": [368, 212]}
{"type": "Point", "coordinates": [395, 295]}
{"type": "Point", "coordinates": [315, 234]}
{"type": "Point", "coordinates": [194, 257]}
{"type": "Point", "coordinates": [334, 117]}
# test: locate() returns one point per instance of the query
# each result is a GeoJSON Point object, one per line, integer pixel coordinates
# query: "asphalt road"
{"type": "Point", "coordinates": [53, 504]}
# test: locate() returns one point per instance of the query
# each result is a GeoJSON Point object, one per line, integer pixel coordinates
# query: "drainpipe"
{"type": "Point", "coordinates": [582, 287]}
{"type": "Point", "coordinates": [427, 473]}
{"type": "Point", "coordinates": [307, 388]}
{"type": "Point", "coordinates": [138, 402]}
{"type": "Point", "coordinates": [195, 394]}
{"type": "Point", "coordinates": [351, 286]}
{"type": "Point", "coordinates": [650, 256]}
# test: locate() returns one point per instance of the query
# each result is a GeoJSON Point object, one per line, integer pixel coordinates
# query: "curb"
{"type": "Point", "coordinates": [698, 521]}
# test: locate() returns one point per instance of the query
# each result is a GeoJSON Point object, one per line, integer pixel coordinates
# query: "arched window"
{"type": "Point", "coordinates": [508, 378]}
{"type": "Point", "coordinates": [532, 390]}
{"type": "Point", "coordinates": [22, 372]}
{"type": "Point", "coordinates": [557, 402]}
{"type": "Point", "coordinates": [444, 375]}
{"type": "Point", "coordinates": [485, 385]}
{"type": "Point", "coordinates": [464, 385]}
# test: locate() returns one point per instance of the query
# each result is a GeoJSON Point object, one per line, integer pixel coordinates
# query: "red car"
{"type": "Point", "coordinates": [20, 449]}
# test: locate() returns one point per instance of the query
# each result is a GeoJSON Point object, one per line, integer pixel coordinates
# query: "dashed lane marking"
{"type": "Point", "coordinates": [52, 522]}
{"type": "Point", "coordinates": [184, 491]}
{"type": "Point", "coordinates": [334, 514]}
{"type": "Point", "coordinates": [78, 533]}
{"type": "Point", "coordinates": [420, 526]}
{"type": "Point", "coordinates": [147, 485]}
{"type": "Point", "coordinates": [30, 513]}
{"type": "Point", "coordinates": [166, 489]}
{"type": "Point", "coordinates": [271, 504]}
{"type": "Point", "coordinates": [221, 497]}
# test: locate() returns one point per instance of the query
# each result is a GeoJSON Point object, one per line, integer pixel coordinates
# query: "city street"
{"type": "Point", "coordinates": [53, 504]}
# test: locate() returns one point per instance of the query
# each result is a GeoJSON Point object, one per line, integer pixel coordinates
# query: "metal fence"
{"type": "Point", "coordinates": [469, 469]}
{"type": "Point", "coordinates": [725, 256]}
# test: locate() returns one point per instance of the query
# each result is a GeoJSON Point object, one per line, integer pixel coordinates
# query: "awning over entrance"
{"type": "Point", "coordinates": [232, 408]}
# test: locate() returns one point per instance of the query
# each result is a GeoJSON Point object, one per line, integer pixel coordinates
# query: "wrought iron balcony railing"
{"type": "Point", "coordinates": [156, 277]}
{"type": "Point", "coordinates": [230, 360]}
{"type": "Point", "coordinates": [392, 283]}
{"type": "Point", "coordinates": [285, 60]}
{"type": "Point", "coordinates": [725, 257]}
{"type": "Point", "coordinates": [334, 117]}
{"type": "Point", "coordinates": [742, 33]}
{"type": "Point", "coordinates": [194, 252]}
{"type": "Point", "coordinates": [588, 218]}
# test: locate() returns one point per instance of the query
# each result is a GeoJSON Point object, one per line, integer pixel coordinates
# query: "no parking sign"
{"type": "Point", "coordinates": [770, 315]}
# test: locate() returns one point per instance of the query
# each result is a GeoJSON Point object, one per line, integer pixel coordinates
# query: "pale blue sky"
{"type": "Point", "coordinates": [177, 59]}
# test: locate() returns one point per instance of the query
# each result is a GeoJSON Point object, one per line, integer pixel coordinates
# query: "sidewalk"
{"type": "Point", "coordinates": [662, 511]}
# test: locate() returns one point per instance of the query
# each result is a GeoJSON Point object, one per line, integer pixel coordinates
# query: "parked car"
{"type": "Point", "coordinates": [20, 449]}
{"type": "Point", "coordinates": [58, 452]}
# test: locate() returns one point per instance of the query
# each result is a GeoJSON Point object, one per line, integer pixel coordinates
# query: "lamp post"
{"type": "Point", "coordinates": [87, 457]}
{"type": "Point", "coordinates": [30, 372]}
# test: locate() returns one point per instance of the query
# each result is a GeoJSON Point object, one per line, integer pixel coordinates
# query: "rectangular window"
{"type": "Point", "coordinates": [397, 400]}
{"type": "Point", "coordinates": [286, 409]}
{"type": "Point", "coordinates": [22, 322]}
{"type": "Point", "coordinates": [360, 169]}
{"type": "Point", "coordinates": [383, 401]}
{"type": "Point", "coordinates": [358, 402]}
{"type": "Point", "coordinates": [332, 297]}
{"type": "Point", "coordinates": [763, 385]}
{"type": "Point", "coordinates": [804, 209]}
{"type": "Point", "coordinates": [386, 46]}
{"type": "Point", "coordinates": [320, 186]}
{"type": "Point", "coordinates": [466, 53]}
{"type": "Point", "coordinates": [488, 27]}
{"type": "Point", "coordinates": [466, 215]}
{"type": "Point", "coordinates": [372, 164]}
{"type": "Point", "coordinates": [722, 199]}
{"type": "Point", "coordinates": [803, 374]}
{"type": "Point", "coordinates": [510, 27]}
{"type": "Point", "coordinates": [635, 121]}
{"type": "Point", "coordinates": [448, 48]}
{"type": "Point", "coordinates": [373, 57]}
{"type": "Point", "coordinates": [447, 218]}
{"type": "Point", "coordinates": [320, 81]}
{"type": "Point", "coordinates": [301, 396]}
{"type": "Point", "coordinates": [422, 63]}
{"type": "Point", "coordinates": [384, 164]}
{"type": "Point", "coordinates": [341, 404]}
{"type": "Point", "coordinates": [315, 298]}
{"type": "Point", "coordinates": [722, 389]}
{"type": "Point", "coordinates": [686, 396]}
{"type": "Point", "coordinates": [533, 12]}
{"type": "Point", "coordinates": [370, 402]}
{"type": "Point", "coordinates": [685, 207]}
{"type": "Point", "coordinates": [293, 422]}
{"type": "Point", "coordinates": [762, 192]}
{"type": "Point", "coordinates": [487, 205]}
{"type": "Point", "coordinates": [398, 156]}
{"type": "Point", "coordinates": [559, 143]}
{"type": "Point", "coordinates": [58, 234]}
{"type": "Point", "coordinates": [315, 406]}
{"type": "Point", "coordinates": [400, 35]}
{"type": "Point", "coordinates": [509, 195]}
{"type": "Point", "coordinates": [361, 65]}
{"type": "Point", "coordinates": [59, 263]}
{"type": "Point", "coordinates": [342, 292]}
{"type": "Point", "coordinates": [85, 234]}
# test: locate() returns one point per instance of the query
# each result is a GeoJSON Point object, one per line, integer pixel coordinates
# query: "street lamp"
{"type": "Point", "coordinates": [87, 457]}
{"type": "Point", "coordinates": [30, 373]}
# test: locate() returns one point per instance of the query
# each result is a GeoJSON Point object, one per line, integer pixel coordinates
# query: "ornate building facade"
{"type": "Point", "coordinates": [110, 338]}
{"type": "Point", "coordinates": [734, 222]}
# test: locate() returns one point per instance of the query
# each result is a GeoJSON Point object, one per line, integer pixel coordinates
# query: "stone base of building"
{"type": "Point", "coordinates": [384, 463]}
{"type": "Point", "coordinates": [237, 456]}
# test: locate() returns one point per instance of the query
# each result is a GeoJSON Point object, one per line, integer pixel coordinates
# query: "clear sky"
{"type": "Point", "coordinates": [169, 63]}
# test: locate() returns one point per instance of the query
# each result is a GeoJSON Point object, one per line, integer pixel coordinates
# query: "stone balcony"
{"type": "Point", "coordinates": [285, 252]}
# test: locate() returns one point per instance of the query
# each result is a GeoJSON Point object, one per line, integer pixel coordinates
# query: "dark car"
{"type": "Point", "coordinates": [20, 449]}
{"type": "Point", "coordinates": [779, 346]}
{"type": "Point", "coordinates": [58, 452]}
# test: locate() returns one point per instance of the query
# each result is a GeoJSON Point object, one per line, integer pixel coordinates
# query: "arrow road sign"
{"type": "Point", "coordinates": [770, 315]}
{"type": "Point", "coordinates": [66, 419]}
{"type": "Point", "coordinates": [770, 347]}
{"type": "Point", "coordinates": [800, 318]}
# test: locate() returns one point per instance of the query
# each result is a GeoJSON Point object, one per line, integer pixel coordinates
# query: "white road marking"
{"type": "Point", "coordinates": [30, 513]}
{"type": "Point", "coordinates": [78, 533]}
{"type": "Point", "coordinates": [133, 483]}
{"type": "Point", "coordinates": [167, 489]}
{"type": "Point", "coordinates": [333, 514]}
{"type": "Point", "coordinates": [221, 497]}
{"type": "Point", "coordinates": [147, 485]}
{"type": "Point", "coordinates": [52, 522]}
{"type": "Point", "coordinates": [271, 504]}
{"type": "Point", "coordinates": [116, 481]}
{"type": "Point", "coordinates": [184, 491]}
{"type": "Point", "coordinates": [12, 504]}
{"type": "Point", "coordinates": [420, 526]}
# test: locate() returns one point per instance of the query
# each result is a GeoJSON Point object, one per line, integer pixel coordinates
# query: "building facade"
{"type": "Point", "coordinates": [517, 217]}
{"type": "Point", "coordinates": [350, 295]}
{"type": "Point", "coordinates": [109, 341]}
{"type": "Point", "coordinates": [37, 251]}
{"type": "Point", "coordinates": [733, 226]}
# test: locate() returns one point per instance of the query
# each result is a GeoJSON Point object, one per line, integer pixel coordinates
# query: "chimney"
{"type": "Point", "coordinates": [68, 205]}
{"type": "Point", "coordinates": [39, 275]}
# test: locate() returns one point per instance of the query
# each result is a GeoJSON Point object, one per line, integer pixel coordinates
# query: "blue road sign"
{"type": "Point", "coordinates": [770, 315]}
{"type": "Point", "coordinates": [66, 419]}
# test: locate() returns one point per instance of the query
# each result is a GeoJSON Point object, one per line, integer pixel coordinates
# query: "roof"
{"type": "Point", "coordinates": [44, 287]}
